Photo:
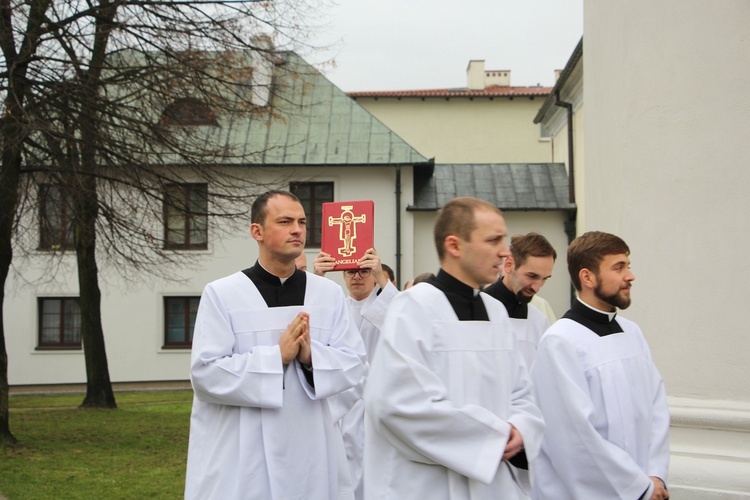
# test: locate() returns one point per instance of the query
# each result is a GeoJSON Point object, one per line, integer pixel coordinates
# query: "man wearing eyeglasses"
{"type": "Point", "coordinates": [370, 293]}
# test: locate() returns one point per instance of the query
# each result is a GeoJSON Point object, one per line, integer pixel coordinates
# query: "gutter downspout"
{"type": "Point", "coordinates": [570, 224]}
{"type": "Point", "coordinates": [398, 224]}
{"type": "Point", "coordinates": [571, 167]}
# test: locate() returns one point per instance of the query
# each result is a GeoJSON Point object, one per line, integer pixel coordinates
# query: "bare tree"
{"type": "Point", "coordinates": [115, 103]}
{"type": "Point", "coordinates": [18, 53]}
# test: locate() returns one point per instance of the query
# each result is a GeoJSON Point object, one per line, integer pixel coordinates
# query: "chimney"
{"type": "Point", "coordinates": [479, 79]}
{"type": "Point", "coordinates": [558, 72]}
{"type": "Point", "coordinates": [262, 70]}
{"type": "Point", "coordinates": [500, 78]}
{"type": "Point", "coordinates": [475, 75]}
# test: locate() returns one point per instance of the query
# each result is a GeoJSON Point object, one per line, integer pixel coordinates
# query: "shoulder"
{"type": "Point", "coordinates": [421, 294]}
{"type": "Point", "coordinates": [627, 325]}
{"type": "Point", "coordinates": [229, 282]}
{"type": "Point", "coordinates": [493, 290]}
{"type": "Point", "coordinates": [319, 284]}
{"type": "Point", "coordinates": [537, 316]}
{"type": "Point", "coordinates": [567, 331]}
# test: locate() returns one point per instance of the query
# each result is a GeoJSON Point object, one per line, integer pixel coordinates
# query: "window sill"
{"type": "Point", "coordinates": [49, 348]}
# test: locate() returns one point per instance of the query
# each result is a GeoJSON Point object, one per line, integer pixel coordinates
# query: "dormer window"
{"type": "Point", "coordinates": [188, 112]}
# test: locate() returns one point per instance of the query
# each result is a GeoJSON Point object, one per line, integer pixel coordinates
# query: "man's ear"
{"type": "Point", "coordinates": [452, 245]}
{"type": "Point", "coordinates": [588, 278]}
{"type": "Point", "coordinates": [508, 265]}
{"type": "Point", "coordinates": [256, 231]}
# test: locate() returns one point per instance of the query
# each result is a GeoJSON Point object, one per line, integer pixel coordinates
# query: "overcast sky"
{"type": "Point", "coordinates": [419, 44]}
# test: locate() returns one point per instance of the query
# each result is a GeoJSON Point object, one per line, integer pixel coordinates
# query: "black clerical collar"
{"type": "Point", "coordinates": [516, 308]}
{"type": "Point", "coordinates": [276, 294]}
{"type": "Point", "coordinates": [596, 321]}
{"type": "Point", "coordinates": [465, 300]}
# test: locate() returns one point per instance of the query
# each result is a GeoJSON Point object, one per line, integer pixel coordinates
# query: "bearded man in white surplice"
{"type": "Point", "coordinates": [600, 393]}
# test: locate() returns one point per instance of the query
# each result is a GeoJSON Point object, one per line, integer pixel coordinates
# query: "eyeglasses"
{"type": "Point", "coordinates": [363, 273]}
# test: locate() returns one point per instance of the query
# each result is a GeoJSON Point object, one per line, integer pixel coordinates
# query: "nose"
{"type": "Point", "coordinates": [630, 276]}
{"type": "Point", "coordinates": [504, 250]}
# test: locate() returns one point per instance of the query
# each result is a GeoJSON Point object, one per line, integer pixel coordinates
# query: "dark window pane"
{"type": "Point", "coordinates": [180, 313]}
{"type": "Point", "coordinates": [55, 219]}
{"type": "Point", "coordinates": [188, 112]}
{"type": "Point", "coordinates": [59, 323]}
{"type": "Point", "coordinates": [186, 216]}
{"type": "Point", "coordinates": [312, 195]}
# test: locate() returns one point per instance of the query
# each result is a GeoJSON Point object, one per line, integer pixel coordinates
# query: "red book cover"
{"type": "Point", "coordinates": [348, 231]}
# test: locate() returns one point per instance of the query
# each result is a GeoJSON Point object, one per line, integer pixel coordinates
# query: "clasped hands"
{"type": "Point", "coordinates": [514, 444]}
{"type": "Point", "coordinates": [295, 341]}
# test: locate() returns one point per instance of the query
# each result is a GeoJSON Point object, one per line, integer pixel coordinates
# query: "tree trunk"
{"type": "Point", "coordinates": [12, 133]}
{"type": "Point", "coordinates": [6, 255]}
{"type": "Point", "coordinates": [99, 392]}
{"type": "Point", "coordinates": [9, 176]}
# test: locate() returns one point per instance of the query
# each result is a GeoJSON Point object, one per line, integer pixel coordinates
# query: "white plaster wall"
{"type": "Point", "coordinates": [132, 314]}
{"type": "Point", "coordinates": [666, 146]}
{"type": "Point", "coordinates": [666, 149]}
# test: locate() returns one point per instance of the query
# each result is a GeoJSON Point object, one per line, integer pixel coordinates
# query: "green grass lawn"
{"type": "Point", "coordinates": [136, 451]}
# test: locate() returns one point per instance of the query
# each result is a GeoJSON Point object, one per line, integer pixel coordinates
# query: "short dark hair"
{"type": "Point", "coordinates": [258, 210]}
{"type": "Point", "coordinates": [457, 218]}
{"type": "Point", "coordinates": [421, 278]}
{"type": "Point", "coordinates": [588, 250]}
{"type": "Point", "coordinates": [523, 246]}
{"type": "Point", "coordinates": [388, 270]}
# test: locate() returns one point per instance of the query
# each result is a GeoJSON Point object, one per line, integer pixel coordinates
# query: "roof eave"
{"type": "Point", "coordinates": [567, 71]}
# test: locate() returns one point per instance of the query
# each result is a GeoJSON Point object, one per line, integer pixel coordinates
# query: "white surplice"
{"type": "Point", "coordinates": [529, 332]}
{"type": "Point", "coordinates": [258, 429]}
{"type": "Point", "coordinates": [546, 309]}
{"type": "Point", "coordinates": [605, 407]}
{"type": "Point", "coordinates": [440, 397]}
{"type": "Point", "coordinates": [369, 316]}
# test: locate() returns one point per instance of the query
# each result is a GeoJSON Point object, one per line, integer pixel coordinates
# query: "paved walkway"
{"type": "Point", "coordinates": [168, 385]}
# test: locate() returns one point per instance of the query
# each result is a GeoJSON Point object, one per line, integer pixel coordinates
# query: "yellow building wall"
{"type": "Point", "coordinates": [465, 130]}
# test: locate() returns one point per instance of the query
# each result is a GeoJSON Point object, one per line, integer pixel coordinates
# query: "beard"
{"type": "Point", "coordinates": [523, 298]}
{"type": "Point", "coordinates": [614, 299]}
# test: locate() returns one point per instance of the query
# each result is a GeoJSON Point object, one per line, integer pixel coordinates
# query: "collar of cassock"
{"type": "Point", "coordinates": [600, 322]}
{"type": "Point", "coordinates": [465, 300]}
{"type": "Point", "coordinates": [516, 309]}
{"type": "Point", "coordinates": [275, 293]}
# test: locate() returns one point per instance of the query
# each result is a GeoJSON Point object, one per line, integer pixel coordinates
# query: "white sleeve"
{"type": "Point", "coordinates": [222, 376]}
{"type": "Point", "coordinates": [374, 310]}
{"type": "Point", "coordinates": [658, 462]}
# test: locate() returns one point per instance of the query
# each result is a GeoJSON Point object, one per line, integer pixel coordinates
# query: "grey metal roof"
{"type": "Point", "coordinates": [509, 186]}
{"type": "Point", "coordinates": [313, 122]}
